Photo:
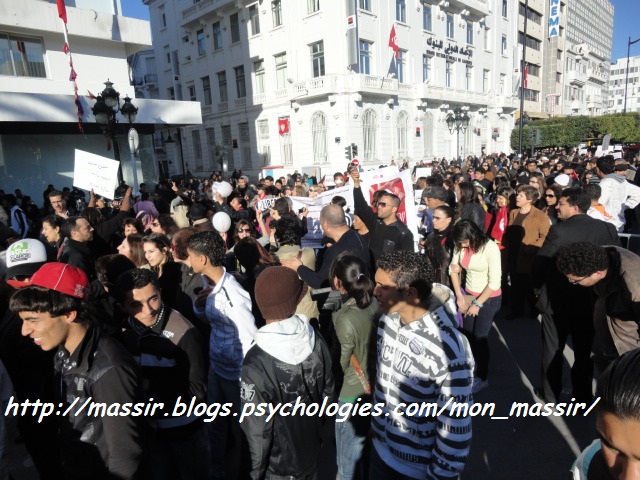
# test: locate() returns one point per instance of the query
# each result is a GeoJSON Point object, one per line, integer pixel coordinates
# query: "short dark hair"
{"type": "Point", "coordinates": [42, 300]}
{"type": "Point", "coordinates": [209, 244]}
{"type": "Point", "coordinates": [582, 259]}
{"type": "Point", "coordinates": [288, 231]}
{"type": "Point", "coordinates": [54, 221]}
{"type": "Point", "coordinates": [577, 197]}
{"type": "Point", "coordinates": [408, 269]}
{"type": "Point", "coordinates": [394, 198]}
{"type": "Point", "coordinates": [532, 193]}
{"type": "Point", "coordinates": [181, 239]}
{"type": "Point", "coordinates": [593, 190]}
{"type": "Point", "coordinates": [606, 164]}
{"type": "Point", "coordinates": [619, 387]}
{"type": "Point", "coordinates": [55, 193]}
{"type": "Point", "coordinates": [132, 280]}
{"type": "Point", "coordinates": [110, 267]}
{"type": "Point", "coordinates": [70, 225]}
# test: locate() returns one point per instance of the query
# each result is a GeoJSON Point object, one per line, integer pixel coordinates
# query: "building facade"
{"type": "Point", "coordinates": [618, 77]}
{"type": "Point", "coordinates": [588, 56]}
{"type": "Point", "coordinates": [39, 130]}
{"type": "Point", "coordinates": [290, 84]}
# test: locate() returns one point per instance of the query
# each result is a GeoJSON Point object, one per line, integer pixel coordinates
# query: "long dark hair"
{"type": "Point", "coordinates": [467, 230]}
{"type": "Point", "coordinates": [252, 256]}
{"type": "Point", "coordinates": [468, 194]}
{"type": "Point", "coordinates": [355, 278]}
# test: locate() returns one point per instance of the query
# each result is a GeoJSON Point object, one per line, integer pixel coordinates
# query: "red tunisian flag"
{"type": "Point", "coordinates": [526, 76]}
{"type": "Point", "coordinates": [283, 125]}
{"type": "Point", "coordinates": [62, 10]}
{"type": "Point", "coordinates": [393, 43]}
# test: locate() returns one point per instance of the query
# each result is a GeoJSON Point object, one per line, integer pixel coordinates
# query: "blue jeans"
{"type": "Point", "coordinates": [477, 329]}
{"type": "Point", "coordinates": [351, 436]}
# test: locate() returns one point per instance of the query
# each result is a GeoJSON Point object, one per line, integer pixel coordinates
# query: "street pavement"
{"type": "Point", "coordinates": [535, 448]}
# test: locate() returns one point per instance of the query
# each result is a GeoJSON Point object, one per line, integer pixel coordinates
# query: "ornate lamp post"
{"type": "Point", "coordinates": [458, 121]}
{"type": "Point", "coordinates": [104, 110]}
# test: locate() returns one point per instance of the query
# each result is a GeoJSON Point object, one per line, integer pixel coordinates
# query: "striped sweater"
{"type": "Point", "coordinates": [429, 361]}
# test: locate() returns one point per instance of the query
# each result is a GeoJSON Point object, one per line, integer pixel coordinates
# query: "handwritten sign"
{"type": "Point", "coordinates": [423, 172]}
{"type": "Point", "coordinates": [265, 203]}
{"type": "Point", "coordinates": [93, 172]}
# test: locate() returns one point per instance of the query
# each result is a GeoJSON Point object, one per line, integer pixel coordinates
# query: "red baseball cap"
{"type": "Point", "coordinates": [62, 278]}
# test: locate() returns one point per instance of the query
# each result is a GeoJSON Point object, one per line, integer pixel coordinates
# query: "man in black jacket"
{"type": "Point", "coordinates": [91, 369]}
{"type": "Point", "coordinates": [288, 365]}
{"type": "Point", "coordinates": [567, 309]}
{"type": "Point", "coordinates": [168, 349]}
{"type": "Point", "coordinates": [76, 250]}
{"type": "Point", "coordinates": [386, 232]}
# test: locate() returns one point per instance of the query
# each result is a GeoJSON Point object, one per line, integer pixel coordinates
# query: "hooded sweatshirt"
{"type": "Point", "coordinates": [617, 196]}
{"type": "Point", "coordinates": [290, 366]}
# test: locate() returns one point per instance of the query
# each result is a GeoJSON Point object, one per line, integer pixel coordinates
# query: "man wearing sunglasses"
{"type": "Point", "coordinates": [387, 232]}
{"type": "Point", "coordinates": [567, 309]}
{"type": "Point", "coordinates": [612, 273]}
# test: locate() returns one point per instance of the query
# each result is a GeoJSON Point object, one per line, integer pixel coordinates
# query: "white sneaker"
{"type": "Point", "coordinates": [479, 385]}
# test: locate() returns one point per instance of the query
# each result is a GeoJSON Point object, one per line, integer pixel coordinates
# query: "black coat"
{"type": "Point", "coordinates": [79, 255]}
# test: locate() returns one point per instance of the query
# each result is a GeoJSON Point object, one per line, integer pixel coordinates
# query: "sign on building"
{"type": "Point", "coordinates": [554, 18]}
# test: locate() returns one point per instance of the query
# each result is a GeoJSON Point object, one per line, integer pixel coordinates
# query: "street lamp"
{"type": "Point", "coordinates": [104, 110]}
{"type": "Point", "coordinates": [458, 121]}
{"type": "Point", "coordinates": [523, 121]}
{"type": "Point", "coordinates": [626, 81]}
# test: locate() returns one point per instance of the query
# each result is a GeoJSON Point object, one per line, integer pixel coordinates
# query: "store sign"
{"type": "Point", "coordinates": [451, 52]}
{"type": "Point", "coordinates": [554, 18]}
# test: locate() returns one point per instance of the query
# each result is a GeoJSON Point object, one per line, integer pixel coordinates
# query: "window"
{"type": "Point", "coordinates": [533, 70]}
{"type": "Point", "coordinates": [313, 6]}
{"type": "Point", "coordinates": [234, 21]}
{"type": "Point", "coordinates": [531, 15]}
{"type": "Point", "coordinates": [192, 92]}
{"type": "Point", "coordinates": [426, 17]}
{"type": "Point", "coordinates": [206, 90]}
{"type": "Point", "coordinates": [365, 56]}
{"type": "Point", "coordinates": [241, 89]}
{"type": "Point", "coordinates": [401, 10]}
{"type": "Point", "coordinates": [317, 58]}
{"type": "Point", "coordinates": [468, 77]}
{"type": "Point", "coordinates": [426, 67]}
{"type": "Point", "coordinates": [558, 77]}
{"type": "Point", "coordinates": [245, 144]}
{"type": "Point", "coordinates": [530, 95]}
{"type": "Point", "coordinates": [530, 41]}
{"type": "Point", "coordinates": [505, 8]}
{"type": "Point", "coordinates": [400, 62]}
{"type": "Point", "coordinates": [559, 55]}
{"type": "Point", "coordinates": [487, 39]}
{"type": "Point", "coordinates": [171, 93]}
{"type": "Point", "coordinates": [211, 146]}
{"type": "Point", "coordinates": [403, 133]}
{"type": "Point", "coordinates": [167, 54]}
{"type": "Point", "coordinates": [503, 79]}
{"type": "Point", "coordinates": [197, 149]}
{"type": "Point", "coordinates": [222, 86]}
{"type": "Point", "coordinates": [503, 45]}
{"type": "Point", "coordinates": [163, 19]}
{"type": "Point", "coordinates": [264, 150]}
{"type": "Point", "coordinates": [319, 135]}
{"type": "Point", "coordinates": [448, 74]}
{"type": "Point", "coordinates": [286, 148]}
{"type": "Point", "coordinates": [21, 56]}
{"type": "Point", "coordinates": [276, 13]}
{"type": "Point", "coordinates": [226, 141]}
{"type": "Point", "coordinates": [369, 130]}
{"type": "Point", "coordinates": [201, 42]}
{"type": "Point", "coordinates": [254, 19]}
{"type": "Point", "coordinates": [365, 5]}
{"type": "Point", "coordinates": [450, 25]}
{"type": "Point", "coordinates": [217, 36]}
{"type": "Point", "coordinates": [485, 80]}
{"type": "Point", "coordinates": [258, 73]}
{"type": "Point", "coordinates": [469, 32]}
{"type": "Point", "coordinates": [281, 70]}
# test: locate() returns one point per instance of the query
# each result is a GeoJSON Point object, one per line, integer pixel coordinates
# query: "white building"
{"type": "Point", "coordinates": [617, 85]}
{"type": "Point", "coordinates": [38, 117]}
{"type": "Point", "coordinates": [588, 55]}
{"type": "Point", "coordinates": [321, 73]}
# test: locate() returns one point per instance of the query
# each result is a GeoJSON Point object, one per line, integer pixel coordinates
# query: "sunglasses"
{"type": "Point", "coordinates": [578, 280]}
{"type": "Point", "coordinates": [549, 196]}
{"type": "Point", "coordinates": [244, 230]}
{"type": "Point", "coordinates": [383, 204]}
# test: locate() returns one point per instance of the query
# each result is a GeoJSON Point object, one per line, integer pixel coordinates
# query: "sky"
{"type": "Point", "coordinates": [624, 23]}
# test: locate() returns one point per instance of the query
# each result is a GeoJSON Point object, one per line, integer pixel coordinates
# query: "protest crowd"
{"type": "Point", "coordinates": [374, 287]}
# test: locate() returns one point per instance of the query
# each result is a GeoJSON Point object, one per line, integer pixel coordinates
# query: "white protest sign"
{"type": "Point", "coordinates": [265, 203]}
{"type": "Point", "coordinates": [423, 172]}
{"type": "Point", "coordinates": [93, 172]}
{"type": "Point", "coordinates": [398, 183]}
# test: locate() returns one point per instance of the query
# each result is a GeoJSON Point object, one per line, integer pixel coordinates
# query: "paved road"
{"type": "Point", "coordinates": [536, 448]}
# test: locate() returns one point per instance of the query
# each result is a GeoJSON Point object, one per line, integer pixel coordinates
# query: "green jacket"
{"type": "Point", "coordinates": [355, 329]}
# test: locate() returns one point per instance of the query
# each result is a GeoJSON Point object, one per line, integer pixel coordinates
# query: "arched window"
{"type": "Point", "coordinates": [403, 133]}
{"type": "Point", "coordinates": [369, 132]}
{"type": "Point", "coordinates": [429, 135]}
{"type": "Point", "coordinates": [319, 133]}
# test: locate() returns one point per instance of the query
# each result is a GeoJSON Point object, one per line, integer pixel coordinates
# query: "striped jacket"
{"type": "Point", "coordinates": [428, 361]}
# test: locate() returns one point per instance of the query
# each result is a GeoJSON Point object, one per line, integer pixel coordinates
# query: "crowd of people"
{"type": "Point", "coordinates": [199, 293]}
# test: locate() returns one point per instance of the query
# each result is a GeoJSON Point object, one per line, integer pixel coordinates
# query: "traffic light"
{"type": "Point", "coordinates": [348, 153]}
{"type": "Point", "coordinates": [354, 150]}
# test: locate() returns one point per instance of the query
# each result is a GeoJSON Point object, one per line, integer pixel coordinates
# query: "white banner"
{"type": "Point", "coordinates": [423, 172]}
{"type": "Point", "coordinates": [93, 172]}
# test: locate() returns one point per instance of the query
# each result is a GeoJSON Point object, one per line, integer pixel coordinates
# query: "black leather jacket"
{"type": "Point", "coordinates": [98, 446]}
{"type": "Point", "coordinates": [438, 247]}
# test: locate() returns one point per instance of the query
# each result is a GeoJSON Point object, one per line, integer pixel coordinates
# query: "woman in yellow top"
{"type": "Point", "coordinates": [479, 257]}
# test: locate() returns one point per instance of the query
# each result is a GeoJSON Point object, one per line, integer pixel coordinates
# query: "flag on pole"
{"type": "Point", "coordinates": [62, 10]}
{"type": "Point", "coordinates": [393, 41]}
{"type": "Point", "coordinates": [283, 125]}
{"type": "Point", "coordinates": [526, 75]}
